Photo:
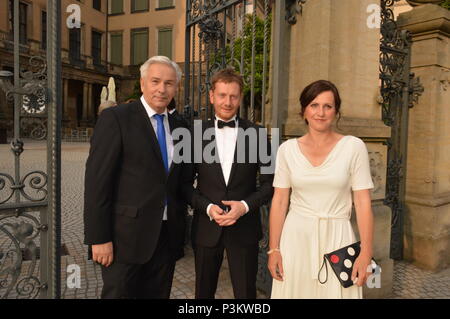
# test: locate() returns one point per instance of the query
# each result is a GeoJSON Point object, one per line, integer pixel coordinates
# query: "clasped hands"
{"type": "Point", "coordinates": [223, 218]}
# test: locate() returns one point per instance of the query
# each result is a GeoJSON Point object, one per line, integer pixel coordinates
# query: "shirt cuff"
{"type": "Point", "coordinates": [207, 211]}
{"type": "Point", "coordinates": [246, 206]}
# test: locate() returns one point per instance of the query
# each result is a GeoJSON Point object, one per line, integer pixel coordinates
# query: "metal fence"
{"type": "Point", "coordinates": [219, 34]}
{"type": "Point", "coordinates": [399, 91]}
{"type": "Point", "coordinates": [30, 200]}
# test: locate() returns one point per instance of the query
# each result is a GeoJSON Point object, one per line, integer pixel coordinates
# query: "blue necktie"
{"type": "Point", "coordinates": [161, 133]}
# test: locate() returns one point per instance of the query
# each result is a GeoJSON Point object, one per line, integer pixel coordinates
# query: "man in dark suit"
{"type": "Point", "coordinates": [131, 215]}
{"type": "Point", "coordinates": [226, 200]}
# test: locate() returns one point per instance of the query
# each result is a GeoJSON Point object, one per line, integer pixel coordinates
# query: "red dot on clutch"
{"type": "Point", "coordinates": [334, 259]}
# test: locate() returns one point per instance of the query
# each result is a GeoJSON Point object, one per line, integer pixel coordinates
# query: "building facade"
{"type": "Point", "coordinates": [100, 39]}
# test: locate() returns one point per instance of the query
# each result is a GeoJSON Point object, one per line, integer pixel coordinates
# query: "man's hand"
{"type": "Point", "coordinates": [103, 254]}
{"type": "Point", "coordinates": [237, 210]}
{"type": "Point", "coordinates": [215, 211]}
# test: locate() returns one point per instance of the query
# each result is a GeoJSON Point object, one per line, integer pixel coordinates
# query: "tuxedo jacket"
{"type": "Point", "coordinates": [126, 186]}
{"type": "Point", "coordinates": [242, 185]}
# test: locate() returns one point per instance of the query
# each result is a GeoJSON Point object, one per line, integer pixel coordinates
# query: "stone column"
{"type": "Point", "coordinates": [66, 100]}
{"type": "Point", "coordinates": [84, 117]}
{"type": "Point", "coordinates": [332, 40]}
{"type": "Point", "coordinates": [90, 111]}
{"type": "Point", "coordinates": [427, 219]}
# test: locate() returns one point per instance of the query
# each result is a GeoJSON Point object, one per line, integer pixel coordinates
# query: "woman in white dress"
{"type": "Point", "coordinates": [315, 178]}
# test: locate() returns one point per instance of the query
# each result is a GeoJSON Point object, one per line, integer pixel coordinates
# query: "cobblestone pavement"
{"type": "Point", "coordinates": [409, 281]}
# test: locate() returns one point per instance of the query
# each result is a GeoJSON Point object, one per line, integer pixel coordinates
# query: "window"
{"type": "Point", "coordinates": [139, 5]}
{"type": "Point", "coordinates": [75, 43]}
{"type": "Point", "coordinates": [165, 3]}
{"type": "Point", "coordinates": [139, 46]}
{"type": "Point", "coordinates": [97, 4]}
{"type": "Point", "coordinates": [23, 8]}
{"type": "Point", "coordinates": [116, 7]}
{"type": "Point", "coordinates": [165, 42]}
{"type": "Point", "coordinates": [44, 30]}
{"type": "Point", "coordinates": [116, 48]}
{"type": "Point", "coordinates": [96, 47]}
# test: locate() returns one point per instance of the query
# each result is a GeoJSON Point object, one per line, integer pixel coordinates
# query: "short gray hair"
{"type": "Point", "coordinates": [162, 60]}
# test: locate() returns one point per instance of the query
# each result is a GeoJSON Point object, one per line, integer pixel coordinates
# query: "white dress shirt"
{"type": "Point", "coordinates": [169, 139]}
{"type": "Point", "coordinates": [226, 138]}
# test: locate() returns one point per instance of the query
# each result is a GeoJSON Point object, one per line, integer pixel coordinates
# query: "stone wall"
{"type": "Point", "coordinates": [427, 220]}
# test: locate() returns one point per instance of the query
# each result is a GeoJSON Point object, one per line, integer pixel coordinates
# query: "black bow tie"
{"type": "Point", "coordinates": [222, 124]}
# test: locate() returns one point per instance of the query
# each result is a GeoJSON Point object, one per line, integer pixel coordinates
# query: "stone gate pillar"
{"type": "Point", "coordinates": [427, 219]}
{"type": "Point", "coordinates": [333, 40]}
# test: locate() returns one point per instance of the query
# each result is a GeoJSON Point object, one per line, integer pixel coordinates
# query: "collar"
{"type": "Point", "coordinates": [150, 110]}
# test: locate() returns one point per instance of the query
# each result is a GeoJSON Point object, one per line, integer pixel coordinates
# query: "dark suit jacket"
{"type": "Point", "coordinates": [242, 185]}
{"type": "Point", "coordinates": [126, 186]}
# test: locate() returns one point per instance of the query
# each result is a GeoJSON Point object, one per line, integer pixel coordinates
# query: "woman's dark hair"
{"type": "Point", "coordinates": [310, 92]}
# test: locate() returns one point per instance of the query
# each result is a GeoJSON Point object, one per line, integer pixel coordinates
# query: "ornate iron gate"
{"type": "Point", "coordinates": [399, 91]}
{"type": "Point", "coordinates": [30, 228]}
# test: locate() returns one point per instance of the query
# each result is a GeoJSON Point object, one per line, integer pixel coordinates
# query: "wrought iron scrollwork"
{"type": "Point", "coordinates": [5, 180]}
{"type": "Point", "coordinates": [264, 279]}
{"type": "Point", "coordinates": [21, 236]}
{"type": "Point", "coordinates": [32, 85]}
{"type": "Point", "coordinates": [294, 8]}
{"type": "Point", "coordinates": [395, 76]}
{"type": "Point", "coordinates": [211, 29]}
{"type": "Point", "coordinates": [23, 192]}
{"type": "Point", "coordinates": [36, 180]}
{"type": "Point", "coordinates": [17, 146]}
{"type": "Point", "coordinates": [33, 127]}
{"type": "Point", "coordinates": [200, 8]}
{"type": "Point", "coordinates": [415, 90]}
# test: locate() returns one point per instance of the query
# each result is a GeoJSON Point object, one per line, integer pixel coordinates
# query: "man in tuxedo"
{"type": "Point", "coordinates": [226, 200]}
{"type": "Point", "coordinates": [132, 187]}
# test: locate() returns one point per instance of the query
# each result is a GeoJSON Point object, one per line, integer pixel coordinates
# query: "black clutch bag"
{"type": "Point", "coordinates": [341, 261]}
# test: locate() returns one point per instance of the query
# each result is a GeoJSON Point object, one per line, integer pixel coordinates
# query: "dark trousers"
{"type": "Point", "coordinates": [152, 280]}
{"type": "Point", "coordinates": [242, 262]}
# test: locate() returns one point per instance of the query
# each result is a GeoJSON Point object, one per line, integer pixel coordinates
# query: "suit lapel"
{"type": "Point", "coordinates": [243, 126]}
{"type": "Point", "coordinates": [215, 166]}
{"type": "Point", "coordinates": [173, 124]}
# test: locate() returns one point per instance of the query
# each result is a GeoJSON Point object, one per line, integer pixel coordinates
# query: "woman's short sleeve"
{"type": "Point", "coordinates": [282, 178]}
{"type": "Point", "coordinates": [361, 177]}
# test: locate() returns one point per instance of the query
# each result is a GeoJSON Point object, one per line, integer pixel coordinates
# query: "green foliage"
{"type": "Point", "coordinates": [446, 4]}
{"type": "Point", "coordinates": [245, 41]}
